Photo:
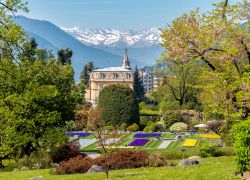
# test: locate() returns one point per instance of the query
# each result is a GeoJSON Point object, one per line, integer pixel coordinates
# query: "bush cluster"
{"type": "Point", "coordinates": [77, 164]}
{"type": "Point", "coordinates": [36, 160]}
{"type": "Point", "coordinates": [67, 151]}
{"type": "Point", "coordinates": [241, 134]}
{"type": "Point", "coordinates": [122, 159]}
{"type": "Point", "coordinates": [209, 150]}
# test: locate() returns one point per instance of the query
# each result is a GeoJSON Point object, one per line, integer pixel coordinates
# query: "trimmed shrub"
{"type": "Point", "coordinates": [171, 117]}
{"type": "Point", "coordinates": [133, 127]}
{"type": "Point", "coordinates": [241, 134]}
{"type": "Point", "coordinates": [119, 105]}
{"type": "Point", "coordinates": [75, 165]}
{"type": "Point", "coordinates": [66, 151]}
{"type": "Point", "coordinates": [150, 127]}
{"type": "Point", "coordinates": [128, 159]}
{"type": "Point", "coordinates": [118, 160]}
{"type": "Point", "coordinates": [157, 160]}
{"type": "Point", "coordinates": [179, 126]}
{"type": "Point", "coordinates": [209, 149]}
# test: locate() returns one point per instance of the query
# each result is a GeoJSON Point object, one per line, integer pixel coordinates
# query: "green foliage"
{"type": "Point", "coordinates": [220, 167]}
{"type": "Point", "coordinates": [81, 118]}
{"type": "Point", "coordinates": [225, 68]}
{"type": "Point", "coordinates": [133, 127]}
{"type": "Point", "coordinates": [241, 134]}
{"type": "Point", "coordinates": [108, 128]}
{"type": "Point", "coordinates": [142, 105]}
{"type": "Point", "coordinates": [138, 86]}
{"type": "Point", "coordinates": [85, 74]}
{"type": "Point", "coordinates": [35, 105]}
{"type": "Point", "coordinates": [78, 91]}
{"type": "Point", "coordinates": [179, 126]}
{"type": "Point", "coordinates": [209, 149]}
{"type": "Point", "coordinates": [37, 160]}
{"type": "Point", "coordinates": [119, 105]}
{"type": "Point", "coordinates": [171, 117]}
{"type": "Point", "coordinates": [123, 126]}
{"type": "Point", "coordinates": [64, 56]}
{"type": "Point", "coordinates": [148, 112]}
{"type": "Point", "coordinates": [145, 119]}
{"type": "Point", "coordinates": [150, 127]}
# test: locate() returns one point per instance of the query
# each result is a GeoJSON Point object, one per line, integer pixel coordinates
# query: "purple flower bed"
{"type": "Point", "coordinates": [79, 133]}
{"type": "Point", "coordinates": [145, 135]}
{"type": "Point", "coordinates": [139, 142]}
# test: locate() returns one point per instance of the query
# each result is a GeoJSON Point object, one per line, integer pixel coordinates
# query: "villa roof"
{"type": "Point", "coordinates": [112, 69]}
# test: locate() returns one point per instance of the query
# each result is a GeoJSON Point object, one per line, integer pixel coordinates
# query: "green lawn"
{"type": "Point", "coordinates": [174, 146]}
{"type": "Point", "coordinates": [153, 144]}
{"type": "Point", "coordinates": [168, 135]}
{"type": "Point", "coordinates": [91, 147]}
{"type": "Point", "coordinates": [219, 168]}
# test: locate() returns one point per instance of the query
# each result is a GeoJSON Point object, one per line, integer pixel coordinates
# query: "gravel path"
{"type": "Point", "coordinates": [165, 144]}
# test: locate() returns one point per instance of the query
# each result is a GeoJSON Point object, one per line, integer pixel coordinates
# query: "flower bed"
{"type": "Point", "coordinates": [139, 142]}
{"type": "Point", "coordinates": [146, 135]}
{"type": "Point", "coordinates": [210, 136]}
{"type": "Point", "coordinates": [190, 143]}
{"type": "Point", "coordinates": [79, 133]}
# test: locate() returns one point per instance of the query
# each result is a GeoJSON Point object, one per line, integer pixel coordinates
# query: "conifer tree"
{"type": "Point", "coordinates": [64, 56]}
{"type": "Point", "coordinates": [138, 86]}
{"type": "Point", "coordinates": [85, 74]}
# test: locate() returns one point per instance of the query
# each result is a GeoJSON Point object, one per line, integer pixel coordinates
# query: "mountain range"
{"type": "Point", "coordinates": [105, 47]}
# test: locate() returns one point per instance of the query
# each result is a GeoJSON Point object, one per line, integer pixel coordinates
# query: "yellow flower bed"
{"type": "Point", "coordinates": [190, 143]}
{"type": "Point", "coordinates": [210, 136]}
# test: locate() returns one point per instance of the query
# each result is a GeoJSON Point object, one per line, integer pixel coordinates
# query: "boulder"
{"type": "Point", "coordinates": [94, 169]}
{"type": "Point", "coordinates": [194, 157]}
{"type": "Point", "coordinates": [188, 162]}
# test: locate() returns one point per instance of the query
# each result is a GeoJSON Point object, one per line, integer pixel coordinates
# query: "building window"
{"type": "Point", "coordinates": [102, 76]}
{"type": "Point", "coordinates": [128, 76]}
{"type": "Point", "coordinates": [116, 76]}
{"type": "Point", "coordinates": [101, 86]}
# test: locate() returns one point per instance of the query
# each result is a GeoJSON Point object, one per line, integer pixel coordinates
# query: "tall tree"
{"type": "Point", "coordinates": [220, 44]}
{"type": "Point", "coordinates": [138, 85]}
{"type": "Point", "coordinates": [119, 105]}
{"type": "Point", "coordinates": [181, 80]}
{"type": "Point", "coordinates": [85, 74]}
{"type": "Point", "coordinates": [64, 56]}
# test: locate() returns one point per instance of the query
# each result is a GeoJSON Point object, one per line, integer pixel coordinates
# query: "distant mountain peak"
{"type": "Point", "coordinates": [108, 37]}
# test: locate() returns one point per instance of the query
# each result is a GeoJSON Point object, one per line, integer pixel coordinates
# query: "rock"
{"type": "Point", "coordinates": [194, 157]}
{"type": "Point", "coordinates": [246, 175]}
{"type": "Point", "coordinates": [24, 168]}
{"type": "Point", "coordinates": [36, 177]}
{"type": "Point", "coordinates": [94, 169]}
{"type": "Point", "coordinates": [187, 162]}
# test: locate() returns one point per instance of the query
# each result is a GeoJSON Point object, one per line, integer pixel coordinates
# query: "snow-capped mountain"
{"type": "Point", "coordinates": [107, 37]}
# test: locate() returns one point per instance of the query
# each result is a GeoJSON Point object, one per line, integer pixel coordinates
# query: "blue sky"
{"type": "Point", "coordinates": [117, 14]}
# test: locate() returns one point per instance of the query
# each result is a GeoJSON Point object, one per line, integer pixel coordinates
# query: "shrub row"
{"type": "Point", "coordinates": [123, 159]}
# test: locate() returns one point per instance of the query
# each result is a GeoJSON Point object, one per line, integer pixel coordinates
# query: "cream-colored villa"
{"type": "Point", "coordinates": [100, 78]}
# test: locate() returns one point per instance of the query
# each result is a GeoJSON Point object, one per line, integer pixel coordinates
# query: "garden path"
{"type": "Point", "coordinates": [165, 144]}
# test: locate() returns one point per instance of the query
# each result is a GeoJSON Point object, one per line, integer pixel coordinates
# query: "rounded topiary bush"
{"type": "Point", "coordinates": [179, 126]}
{"type": "Point", "coordinates": [171, 117]}
{"type": "Point", "coordinates": [119, 105]}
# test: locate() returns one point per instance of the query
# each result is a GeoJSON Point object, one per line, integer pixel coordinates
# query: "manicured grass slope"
{"type": "Point", "coordinates": [209, 169]}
